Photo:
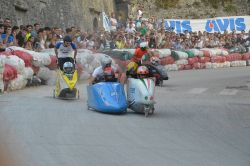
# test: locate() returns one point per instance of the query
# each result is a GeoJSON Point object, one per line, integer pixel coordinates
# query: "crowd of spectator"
{"type": "Point", "coordinates": [121, 35]}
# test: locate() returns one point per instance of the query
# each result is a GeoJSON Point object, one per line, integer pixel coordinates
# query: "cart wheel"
{"type": "Point", "coordinates": [54, 93]}
{"type": "Point", "coordinates": [88, 107]}
{"type": "Point", "coordinates": [152, 110]}
{"type": "Point", "coordinates": [161, 83]}
{"type": "Point", "coordinates": [78, 94]}
{"type": "Point", "coordinates": [146, 111]}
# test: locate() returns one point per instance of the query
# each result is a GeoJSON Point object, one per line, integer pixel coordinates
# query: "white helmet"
{"type": "Point", "coordinates": [106, 60]}
{"type": "Point", "coordinates": [68, 67]}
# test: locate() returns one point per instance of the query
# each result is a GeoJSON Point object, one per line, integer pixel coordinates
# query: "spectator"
{"type": "Point", "coordinates": [7, 22]}
{"type": "Point", "coordinates": [160, 37]}
{"type": "Point", "coordinates": [152, 41]}
{"type": "Point", "coordinates": [20, 37]}
{"type": "Point", "coordinates": [120, 23]}
{"type": "Point", "coordinates": [177, 44]}
{"type": "Point", "coordinates": [15, 30]}
{"type": "Point", "coordinates": [48, 31]}
{"type": "Point", "coordinates": [58, 33]}
{"type": "Point", "coordinates": [130, 28]}
{"type": "Point", "coordinates": [143, 29]}
{"type": "Point", "coordinates": [29, 43]}
{"type": "Point", "coordinates": [35, 31]}
{"type": "Point", "coordinates": [53, 41]}
{"type": "Point", "coordinates": [1, 21]}
{"type": "Point", "coordinates": [120, 42]}
{"type": "Point", "coordinates": [39, 43]}
{"type": "Point", "coordinates": [150, 25]}
{"type": "Point", "coordinates": [7, 38]}
{"type": "Point", "coordinates": [138, 23]}
{"type": "Point", "coordinates": [1, 40]}
{"type": "Point", "coordinates": [139, 13]}
{"type": "Point", "coordinates": [113, 22]}
{"type": "Point", "coordinates": [29, 30]}
{"type": "Point", "coordinates": [90, 42]}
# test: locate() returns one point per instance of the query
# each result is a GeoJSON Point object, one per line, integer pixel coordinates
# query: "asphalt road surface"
{"type": "Point", "coordinates": [202, 118]}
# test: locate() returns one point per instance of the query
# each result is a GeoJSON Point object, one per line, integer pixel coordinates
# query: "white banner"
{"type": "Point", "coordinates": [106, 22]}
{"type": "Point", "coordinates": [218, 24]}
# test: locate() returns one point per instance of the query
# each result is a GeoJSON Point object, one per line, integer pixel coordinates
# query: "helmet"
{"type": "Point", "coordinates": [106, 61]}
{"type": "Point", "coordinates": [68, 67]}
{"type": "Point", "coordinates": [143, 45]}
{"type": "Point", "coordinates": [154, 60]}
{"type": "Point", "coordinates": [132, 66]}
{"type": "Point", "coordinates": [142, 70]}
{"type": "Point", "coordinates": [67, 39]}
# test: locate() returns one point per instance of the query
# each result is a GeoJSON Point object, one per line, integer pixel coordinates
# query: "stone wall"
{"type": "Point", "coordinates": [60, 13]}
{"type": "Point", "coordinates": [191, 9]}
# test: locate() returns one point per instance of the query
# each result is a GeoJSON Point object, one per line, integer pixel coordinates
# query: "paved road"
{"type": "Point", "coordinates": [202, 118]}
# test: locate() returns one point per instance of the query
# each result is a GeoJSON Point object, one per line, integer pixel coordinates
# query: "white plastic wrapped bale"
{"type": "Point", "coordinates": [214, 65]}
{"type": "Point", "coordinates": [18, 83]}
{"type": "Point", "coordinates": [45, 58]}
{"type": "Point", "coordinates": [164, 52]}
{"type": "Point", "coordinates": [1, 85]}
{"type": "Point", "coordinates": [15, 48]}
{"type": "Point", "coordinates": [2, 62]}
{"type": "Point", "coordinates": [217, 51]}
{"type": "Point", "coordinates": [181, 62]}
{"type": "Point", "coordinates": [172, 67]}
{"type": "Point", "coordinates": [182, 55]}
{"type": "Point", "coordinates": [248, 62]}
{"type": "Point", "coordinates": [86, 60]}
{"type": "Point", "coordinates": [84, 76]}
{"type": "Point", "coordinates": [37, 59]}
{"type": "Point", "coordinates": [208, 65]}
{"type": "Point", "coordinates": [49, 51]}
{"type": "Point", "coordinates": [238, 64]}
{"type": "Point", "coordinates": [132, 51]}
{"type": "Point", "coordinates": [28, 73]}
{"type": "Point", "coordinates": [84, 51]}
{"type": "Point", "coordinates": [197, 52]}
{"type": "Point", "coordinates": [220, 52]}
{"type": "Point", "coordinates": [211, 51]}
{"type": "Point", "coordinates": [227, 64]}
{"type": "Point", "coordinates": [84, 57]}
{"type": "Point", "coordinates": [44, 73]}
{"type": "Point", "coordinates": [52, 79]}
{"type": "Point", "coordinates": [16, 62]}
{"type": "Point", "coordinates": [224, 52]}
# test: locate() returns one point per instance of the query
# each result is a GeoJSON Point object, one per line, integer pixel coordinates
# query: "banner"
{"type": "Point", "coordinates": [106, 22]}
{"type": "Point", "coordinates": [218, 24]}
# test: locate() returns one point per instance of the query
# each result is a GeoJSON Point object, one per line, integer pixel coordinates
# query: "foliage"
{"type": "Point", "coordinates": [230, 8]}
{"type": "Point", "coordinates": [196, 4]}
{"type": "Point", "coordinates": [165, 4]}
{"type": "Point", "coordinates": [216, 3]}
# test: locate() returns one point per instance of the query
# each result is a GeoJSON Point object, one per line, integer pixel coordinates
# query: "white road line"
{"type": "Point", "coordinates": [229, 92]}
{"type": "Point", "coordinates": [197, 90]}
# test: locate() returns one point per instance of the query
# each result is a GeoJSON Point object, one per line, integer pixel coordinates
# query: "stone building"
{"type": "Point", "coordinates": [86, 14]}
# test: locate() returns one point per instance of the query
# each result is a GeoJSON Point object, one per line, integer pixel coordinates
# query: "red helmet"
{"type": "Point", "coordinates": [142, 70]}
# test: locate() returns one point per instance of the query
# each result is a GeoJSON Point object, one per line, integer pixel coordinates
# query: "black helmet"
{"type": "Point", "coordinates": [67, 39]}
